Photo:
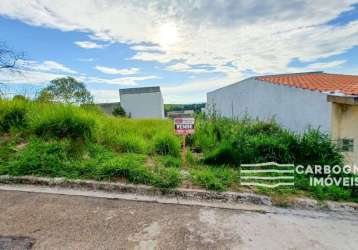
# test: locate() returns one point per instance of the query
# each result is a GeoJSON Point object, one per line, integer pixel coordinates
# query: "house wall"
{"type": "Point", "coordinates": [108, 107]}
{"type": "Point", "coordinates": [294, 108]}
{"type": "Point", "coordinates": [143, 105]}
{"type": "Point", "coordinates": [344, 126]}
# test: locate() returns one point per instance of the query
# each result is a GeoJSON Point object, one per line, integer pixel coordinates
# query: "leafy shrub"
{"type": "Point", "coordinates": [223, 154]}
{"type": "Point", "coordinates": [119, 111]}
{"type": "Point", "coordinates": [166, 144]}
{"type": "Point", "coordinates": [316, 148]}
{"type": "Point", "coordinates": [250, 149]}
{"type": "Point", "coordinates": [248, 141]}
{"type": "Point", "coordinates": [13, 115]}
{"type": "Point", "coordinates": [20, 98]}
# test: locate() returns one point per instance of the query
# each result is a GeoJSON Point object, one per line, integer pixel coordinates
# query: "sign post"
{"type": "Point", "coordinates": [184, 127]}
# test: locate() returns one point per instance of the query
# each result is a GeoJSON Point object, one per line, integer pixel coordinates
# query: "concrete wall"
{"type": "Point", "coordinates": [108, 107]}
{"type": "Point", "coordinates": [143, 105]}
{"type": "Point", "coordinates": [294, 108]}
{"type": "Point", "coordinates": [345, 126]}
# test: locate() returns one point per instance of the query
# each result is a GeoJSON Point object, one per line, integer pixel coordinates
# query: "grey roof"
{"type": "Point", "coordinates": [139, 90]}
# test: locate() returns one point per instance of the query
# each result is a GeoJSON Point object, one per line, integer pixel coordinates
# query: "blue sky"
{"type": "Point", "coordinates": [186, 47]}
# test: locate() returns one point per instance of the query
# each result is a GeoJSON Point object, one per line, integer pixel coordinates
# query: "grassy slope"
{"type": "Point", "coordinates": [59, 140]}
{"type": "Point", "coordinates": [81, 142]}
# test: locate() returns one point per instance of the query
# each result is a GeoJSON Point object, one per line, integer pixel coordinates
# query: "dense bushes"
{"type": "Point", "coordinates": [13, 115]}
{"type": "Point", "coordinates": [316, 148]}
{"type": "Point", "coordinates": [232, 143]}
{"type": "Point", "coordinates": [235, 142]}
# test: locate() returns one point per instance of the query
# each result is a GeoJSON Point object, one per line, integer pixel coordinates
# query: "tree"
{"type": "Point", "coordinates": [19, 98]}
{"type": "Point", "coordinates": [119, 111]}
{"type": "Point", "coordinates": [67, 90]}
{"type": "Point", "coordinates": [8, 58]}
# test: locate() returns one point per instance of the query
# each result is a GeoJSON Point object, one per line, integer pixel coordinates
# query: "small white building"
{"type": "Point", "coordinates": [146, 102]}
{"type": "Point", "coordinates": [296, 101]}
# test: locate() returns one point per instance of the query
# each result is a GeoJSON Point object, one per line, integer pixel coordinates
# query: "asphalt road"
{"type": "Point", "coordinates": [52, 221]}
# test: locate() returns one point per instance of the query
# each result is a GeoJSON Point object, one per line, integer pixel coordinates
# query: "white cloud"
{"type": "Point", "coordinates": [45, 66]}
{"type": "Point", "coordinates": [27, 76]}
{"type": "Point", "coordinates": [182, 67]}
{"type": "Point", "coordinates": [89, 45]}
{"type": "Point", "coordinates": [258, 36]}
{"type": "Point", "coordinates": [326, 65]}
{"type": "Point", "coordinates": [33, 72]}
{"type": "Point", "coordinates": [151, 48]}
{"type": "Point", "coordinates": [115, 71]}
{"type": "Point", "coordinates": [332, 66]}
{"type": "Point", "coordinates": [120, 81]}
{"type": "Point", "coordinates": [251, 35]}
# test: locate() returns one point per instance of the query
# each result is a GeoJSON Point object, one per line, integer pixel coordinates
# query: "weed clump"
{"type": "Point", "coordinates": [166, 144]}
{"type": "Point", "coordinates": [218, 179]}
{"type": "Point", "coordinates": [13, 115]}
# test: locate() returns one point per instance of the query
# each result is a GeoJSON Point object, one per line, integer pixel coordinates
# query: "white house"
{"type": "Point", "coordinates": [296, 101]}
{"type": "Point", "coordinates": [146, 102]}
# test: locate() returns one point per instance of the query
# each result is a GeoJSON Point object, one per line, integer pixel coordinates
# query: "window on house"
{"type": "Point", "coordinates": [346, 145]}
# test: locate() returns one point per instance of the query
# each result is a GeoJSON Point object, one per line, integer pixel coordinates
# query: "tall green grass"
{"type": "Point", "coordinates": [49, 139]}
{"type": "Point", "coordinates": [13, 115]}
{"type": "Point", "coordinates": [87, 124]}
{"type": "Point", "coordinates": [81, 142]}
{"type": "Point", "coordinates": [55, 158]}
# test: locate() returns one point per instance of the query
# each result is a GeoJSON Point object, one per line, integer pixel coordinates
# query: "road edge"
{"type": "Point", "coordinates": [177, 196]}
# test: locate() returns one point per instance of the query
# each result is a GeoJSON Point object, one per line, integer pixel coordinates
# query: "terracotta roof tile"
{"type": "Point", "coordinates": [323, 82]}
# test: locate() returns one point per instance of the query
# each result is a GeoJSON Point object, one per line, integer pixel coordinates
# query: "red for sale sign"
{"type": "Point", "coordinates": [184, 126]}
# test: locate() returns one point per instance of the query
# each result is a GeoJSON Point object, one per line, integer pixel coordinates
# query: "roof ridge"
{"type": "Point", "coordinates": [298, 73]}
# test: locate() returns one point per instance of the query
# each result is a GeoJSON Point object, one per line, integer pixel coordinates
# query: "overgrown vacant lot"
{"type": "Point", "coordinates": [56, 140]}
